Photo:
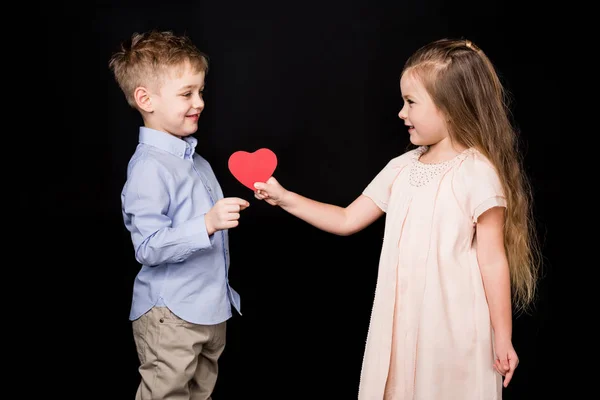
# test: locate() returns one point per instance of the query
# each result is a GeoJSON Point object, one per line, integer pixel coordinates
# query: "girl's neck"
{"type": "Point", "coordinates": [441, 151]}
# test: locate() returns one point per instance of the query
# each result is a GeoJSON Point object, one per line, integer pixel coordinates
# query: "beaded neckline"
{"type": "Point", "coordinates": [422, 149]}
{"type": "Point", "coordinates": [421, 173]}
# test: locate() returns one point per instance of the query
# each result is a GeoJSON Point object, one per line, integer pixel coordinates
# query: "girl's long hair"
{"type": "Point", "coordinates": [464, 85]}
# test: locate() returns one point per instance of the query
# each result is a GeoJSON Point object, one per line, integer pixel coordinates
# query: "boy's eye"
{"type": "Point", "coordinates": [187, 94]}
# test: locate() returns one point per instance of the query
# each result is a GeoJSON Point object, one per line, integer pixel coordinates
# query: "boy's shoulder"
{"type": "Point", "coordinates": [199, 159]}
{"type": "Point", "coordinates": [149, 159]}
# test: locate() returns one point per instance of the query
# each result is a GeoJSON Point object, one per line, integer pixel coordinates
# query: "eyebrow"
{"type": "Point", "coordinates": [187, 87]}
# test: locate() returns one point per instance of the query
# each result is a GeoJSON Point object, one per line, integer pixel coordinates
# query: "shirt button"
{"type": "Point", "coordinates": [162, 320]}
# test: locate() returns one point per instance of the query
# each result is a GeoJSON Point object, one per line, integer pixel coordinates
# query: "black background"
{"type": "Point", "coordinates": [318, 83]}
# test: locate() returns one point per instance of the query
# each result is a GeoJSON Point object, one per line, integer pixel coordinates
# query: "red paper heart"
{"type": "Point", "coordinates": [249, 168]}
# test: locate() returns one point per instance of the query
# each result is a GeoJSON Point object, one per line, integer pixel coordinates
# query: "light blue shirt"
{"type": "Point", "coordinates": [168, 191]}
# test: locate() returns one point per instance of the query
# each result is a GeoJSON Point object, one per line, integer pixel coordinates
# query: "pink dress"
{"type": "Point", "coordinates": [430, 335]}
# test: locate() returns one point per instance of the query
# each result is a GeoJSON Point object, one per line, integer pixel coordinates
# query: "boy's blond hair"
{"type": "Point", "coordinates": [146, 57]}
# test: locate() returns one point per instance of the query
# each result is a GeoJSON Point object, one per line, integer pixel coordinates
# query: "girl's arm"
{"type": "Point", "coordinates": [493, 263]}
{"type": "Point", "coordinates": [327, 217]}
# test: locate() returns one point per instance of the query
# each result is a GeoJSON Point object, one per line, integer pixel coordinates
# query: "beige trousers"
{"type": "Point", "coordinates": [178, 359]}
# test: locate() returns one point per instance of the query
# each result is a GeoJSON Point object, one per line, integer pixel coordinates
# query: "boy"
{"type": "Point", "coordinates": [173, 206]}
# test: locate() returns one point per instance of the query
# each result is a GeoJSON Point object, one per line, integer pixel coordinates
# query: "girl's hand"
{"type": "Point", "coordinates": [271, 191]}
{"type": "Point", "coordinates": [506, 359]}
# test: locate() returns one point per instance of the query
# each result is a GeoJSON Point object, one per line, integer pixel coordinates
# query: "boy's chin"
{"type": "Point", "coordinates": [188, 132]}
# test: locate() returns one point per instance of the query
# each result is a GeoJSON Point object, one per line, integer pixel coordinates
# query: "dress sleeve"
{"type": "Point", "coordinates": [478, 180]}
{"type": "Point", "coordinates": [380, 188]}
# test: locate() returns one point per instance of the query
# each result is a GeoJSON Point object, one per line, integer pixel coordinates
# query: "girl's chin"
{"type": "Point", "coordinates": [414, 140]}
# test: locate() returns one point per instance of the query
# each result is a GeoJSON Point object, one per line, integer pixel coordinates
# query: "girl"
{"type": "Point", "coordinates": [458, 235]}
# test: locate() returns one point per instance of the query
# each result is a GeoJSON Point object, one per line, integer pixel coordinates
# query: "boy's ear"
{"type": "Point", "coordinates": [143, 99]}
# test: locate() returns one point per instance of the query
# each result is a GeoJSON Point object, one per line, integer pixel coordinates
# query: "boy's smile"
{"type": "Point", "coordinates": [177, 103]}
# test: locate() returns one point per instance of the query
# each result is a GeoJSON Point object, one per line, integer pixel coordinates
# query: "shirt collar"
{"type": "Point", "coordinates": [179, 148]}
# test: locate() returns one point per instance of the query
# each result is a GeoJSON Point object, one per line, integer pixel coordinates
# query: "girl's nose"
{"type": "Point", "coordinates": [401, 114]}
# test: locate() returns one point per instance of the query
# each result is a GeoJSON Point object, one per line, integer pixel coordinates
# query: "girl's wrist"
{"type": "Point", "coordinates": [502, 336]}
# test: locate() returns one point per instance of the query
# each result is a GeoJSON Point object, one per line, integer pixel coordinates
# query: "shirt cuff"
{"type": "Point", "coordinates": [196, 234]}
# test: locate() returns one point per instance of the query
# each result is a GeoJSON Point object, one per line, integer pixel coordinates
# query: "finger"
{"type": "Point", "coordinates": [501, 367]}
{"type": "Point", "coordinates": [498, 367]}
{"type": "Point", "coordinates": [236, 201]}
{"type": "Point", "coordinates": [505, 364]}
{"type": "Point", "coordinates": [230, 208]}
{"type": "Point", "coordinates": [272, 180]}
{"type": "Point", "coordinates": [232, 224]}
{"type": "Point", "coordinates": [513, 362]}
{"type": "Point", "coordinates": [234, 216]}
{"type": "Point", "coordinates": [234, 208]}
{"type": "Point", "coordinates": [508, 377]}
{"type": "Point", "coordinates": [259, 185]}
{"type": "Point", "coordinates": [261, 192]}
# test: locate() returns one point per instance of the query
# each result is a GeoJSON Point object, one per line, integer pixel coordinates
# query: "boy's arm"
{"type": "Point", "coordinates": [327, 217]}
{"type": "Point", "coordinates": [145, 201]}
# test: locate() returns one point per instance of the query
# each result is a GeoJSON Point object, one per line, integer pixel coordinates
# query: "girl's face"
{"type": "Point", "coordinates": [426, 123]}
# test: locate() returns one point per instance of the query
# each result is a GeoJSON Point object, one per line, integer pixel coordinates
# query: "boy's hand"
{"type": "Point", "coordinates": [224, 214]}
{"type": "Point", "coordinates": [506, 359]}
{"type": "Point", "coordinates": [271, 191]}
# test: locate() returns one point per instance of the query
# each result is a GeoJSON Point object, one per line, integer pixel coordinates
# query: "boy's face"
{"type": "Point", "coordinates": [177, 104]}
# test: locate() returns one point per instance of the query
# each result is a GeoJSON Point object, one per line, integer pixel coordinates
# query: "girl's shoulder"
{"type": "Point", "coordinates": [471, 161]}
{"type": "Point", "coordinates": [475, 171]}
{"type": "Point", "coordinates": [406, 158]}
